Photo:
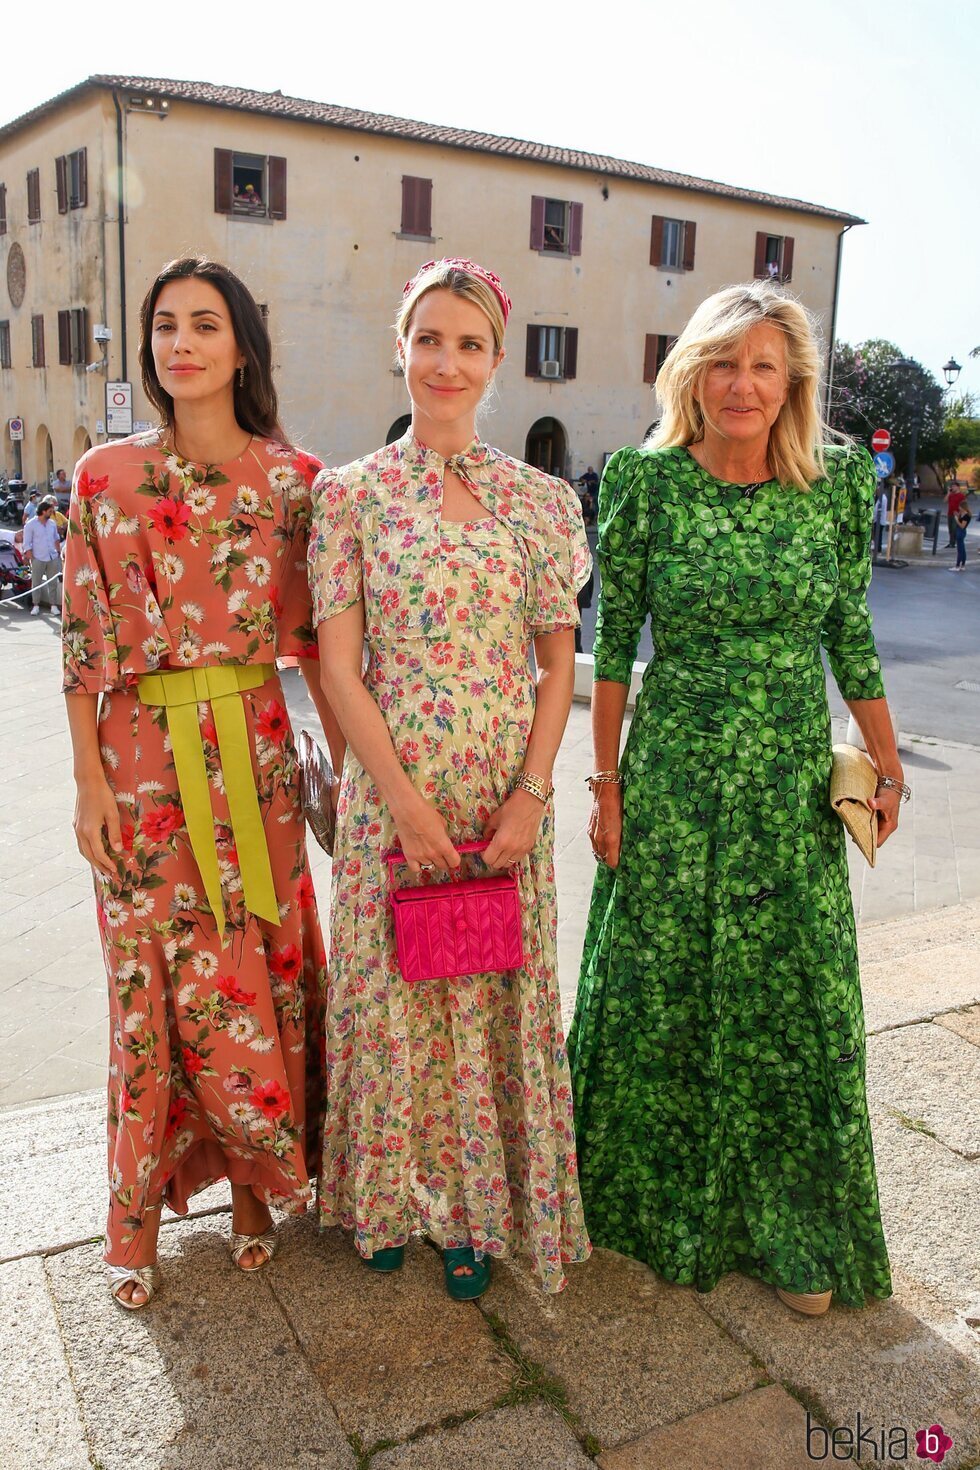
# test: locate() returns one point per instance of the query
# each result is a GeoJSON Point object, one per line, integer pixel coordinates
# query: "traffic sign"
{"type": "Point", "coordinates": [884, 464]}
{"type": "Point", "coordinates": [15, 428]}
{"type": "Point", "coordinates": [881, 439]}
{"type": "Point", "coordinates": [119, 408]}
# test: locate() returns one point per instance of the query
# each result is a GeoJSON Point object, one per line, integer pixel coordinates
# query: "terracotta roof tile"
{"type": "Point", "coordinates": [276, 104]}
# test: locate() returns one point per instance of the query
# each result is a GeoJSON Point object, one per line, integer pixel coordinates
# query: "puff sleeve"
{"type": "Point", "coordinates": [847, 634]}
{"type": "Point", "coordinates": [336, 559]}
{"type": "Point", "coordinates": [560, 564]}
{"type": "Point", "coordinates": [91, 655]}
{"type": "Point", "coordinates": [622, 557]}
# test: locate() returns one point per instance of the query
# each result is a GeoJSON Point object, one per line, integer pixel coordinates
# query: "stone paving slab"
{"type": "Point", "coordinates": [632, 1351]}
{"type": "Point", "coordinates": [881, 1361]}
{"type": "Point", "coordinates": [939, 979]}
{"type": "Point", "coordinates": [531, 1437]}
{"type": "Point", "coordinates": [932, 1076]}
{"type": "Point", "coordinates": [765, 1429]}
{"type": "Point", "coordinates": [40, 1426]}
{"type": "Point", "coordinates": [393, 1353]}
{"type": "Point", "coordinates": [210, 1377]}
{"type": "Point", "coordinates": [964, 1023]}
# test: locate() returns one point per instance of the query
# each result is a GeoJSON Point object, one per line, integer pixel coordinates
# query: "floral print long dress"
{"type": "Point", "coordinates": [448, 1103]}
{"type": "Point", "coordinates": [718, 1040]}
{"type": "Point", "coordinates": [215, 1051]}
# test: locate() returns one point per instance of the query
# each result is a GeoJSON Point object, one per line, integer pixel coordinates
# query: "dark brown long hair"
{"type": "Point", "coordinates": [256, 402]}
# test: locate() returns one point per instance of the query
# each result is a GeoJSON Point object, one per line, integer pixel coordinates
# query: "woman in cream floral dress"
{"type": "Point", "coordinates": [185, 578]}
{"type": "Point", "coordinates": [448, 1103]}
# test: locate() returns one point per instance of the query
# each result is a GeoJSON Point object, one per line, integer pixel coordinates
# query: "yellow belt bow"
{"type": "Point", "coordinates": [180, 691]}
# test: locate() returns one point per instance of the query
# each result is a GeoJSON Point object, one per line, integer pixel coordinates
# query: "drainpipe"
{"type": "Point", "coordinates": [833, 318]}
{"type": "Point", "coordinates": [121, 211]}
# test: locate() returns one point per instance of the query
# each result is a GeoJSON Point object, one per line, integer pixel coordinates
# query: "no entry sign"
{"type": "Point", "coordinates": [880, 440]}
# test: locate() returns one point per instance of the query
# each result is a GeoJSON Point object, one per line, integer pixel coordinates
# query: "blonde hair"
{"type": "Point", "coordinates": [444, 277]}
{"type": "Point", "coordinates": [797, 437]}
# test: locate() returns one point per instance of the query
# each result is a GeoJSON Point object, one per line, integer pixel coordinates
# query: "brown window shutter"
{"type": "Point", "coordinates": [423, 206]}
{"type": "Point", "coordinates": [787, 270]}
{"type": "Point", "coordinates": [532, 357]}
{"type": "Point", "coordinates": [223, 180]}
{"type": "Point", "coordinates": [82, 201]}
{"type": "Point", "coordinates": [760, 254]}
{"type": "Point", "coordinates": [64, 336]}
{"type": "Point", "coordinates": [37, 340]}
{"type": "Point", "coordinates": [3, 209]}
{"type": "Point", "coordinates": [657, 239]}
{"type": "Point", "coordinates": [570, 353]}
{"type": "Point", "coordinates": [575, 229]}
{"type": "Point", "coordinates": [79, 333]}
{"type": "Point", "coordinates": [408, 206]}
{"type": "Point", "coordinates": [277, 188]}
{"type": "Point", "coordinates": [4, 344]}
{"type": "Point", "coordinates": [650, 358]}
{"type": "Point", "coordinates": [33, 196]}
{"type": "Point", "coordinates": [690, 232]}
{"type": "Point", "coordinates": [537, 221]}
{"type": "Point", "coordinates": [61, 178]}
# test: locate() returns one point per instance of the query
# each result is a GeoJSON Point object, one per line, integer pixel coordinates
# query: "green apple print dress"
{"type": "Point", "coordinates": [718, 1041]}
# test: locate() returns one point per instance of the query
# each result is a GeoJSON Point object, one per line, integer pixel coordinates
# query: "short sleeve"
{"type": "Point", "coordinates": [336, 562]}
{"type": "Point", "coordinates": [847, 634]}
{"type": "Point", "coordinates": [561, 567]}
{"type": "Point", "coordinates": [297, 638]}
{"type": "Point", "coordinates": [622, 557]}
{"type": "Point", "coordinates": [91, 655]}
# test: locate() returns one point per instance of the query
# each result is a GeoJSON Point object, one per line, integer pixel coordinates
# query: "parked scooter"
{"type": "Point", "coordinates": [12, 503]}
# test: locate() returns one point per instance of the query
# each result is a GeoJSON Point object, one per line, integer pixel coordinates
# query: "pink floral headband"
{"type": "Point", "coordinates": [471, 268]}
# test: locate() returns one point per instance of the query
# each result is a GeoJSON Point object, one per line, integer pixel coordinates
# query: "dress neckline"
{"type": "Point", "coordinates": [744, 487]}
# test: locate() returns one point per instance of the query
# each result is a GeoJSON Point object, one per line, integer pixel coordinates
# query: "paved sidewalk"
{"type": "Point", "coordinates": [316, 1362]}
{"type": "Point", "coordinates": [53, 1030]}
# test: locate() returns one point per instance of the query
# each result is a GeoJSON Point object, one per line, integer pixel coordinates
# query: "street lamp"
{"type": "Point", "coordinates": [951, 371]}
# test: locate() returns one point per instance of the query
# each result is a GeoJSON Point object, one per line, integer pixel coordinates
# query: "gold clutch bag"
{"type": "Point", "coordinates": [316, 778]}
{"type": "Point", "coordinates": [853, 782]}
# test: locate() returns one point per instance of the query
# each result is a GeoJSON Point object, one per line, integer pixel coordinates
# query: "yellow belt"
{"type": "Point", "coordinates": [180, 691]}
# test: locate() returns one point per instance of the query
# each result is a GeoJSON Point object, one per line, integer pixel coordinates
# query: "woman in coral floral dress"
{"type": "Point", "coordinates": [184, 581]}
{"type": "Point", "coordinates": [448, 1103]}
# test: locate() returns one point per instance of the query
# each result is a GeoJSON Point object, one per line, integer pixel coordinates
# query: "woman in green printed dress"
{"type": "Point", "coordinates": [718, 1041]}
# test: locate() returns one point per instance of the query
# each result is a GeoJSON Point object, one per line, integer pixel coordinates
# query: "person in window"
{"type": "Point", "coordinates": [718, 1040]}
{"type": "Point", "coordinates": [253, 199]}
{"type": "Point", "coordinates": [185, 580]}
{"type": "Point", "coordinates": [448, 1103]}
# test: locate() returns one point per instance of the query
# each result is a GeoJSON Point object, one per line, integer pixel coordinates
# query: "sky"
{"type": "Point", "coordinates": [869, 106]}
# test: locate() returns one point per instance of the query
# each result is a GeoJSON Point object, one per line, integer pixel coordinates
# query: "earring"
{"type": "Point", "coordinates": [241, 376]}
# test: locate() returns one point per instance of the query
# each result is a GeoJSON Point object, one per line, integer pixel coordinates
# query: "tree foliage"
{"type": "Point", "coordinates": [869, 393]}
{"type": "Point", "coordinates": [960, 439]}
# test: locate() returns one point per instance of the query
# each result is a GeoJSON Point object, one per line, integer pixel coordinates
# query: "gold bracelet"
{"type": "Point", "coordinates": [534, 785]}
{"type": "Point", "coordinates": [603, 778]}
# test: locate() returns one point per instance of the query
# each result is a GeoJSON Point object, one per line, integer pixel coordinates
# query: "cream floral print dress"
{"type": "Point", "coordinates": [448, 1104]}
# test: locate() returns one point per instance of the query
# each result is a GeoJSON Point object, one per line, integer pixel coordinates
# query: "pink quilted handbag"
{"type": "Point", "coordinates": [468, 926]}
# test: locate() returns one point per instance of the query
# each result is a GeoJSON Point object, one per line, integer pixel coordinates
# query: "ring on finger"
{"type": "Point", "coordinates": [426, 867]}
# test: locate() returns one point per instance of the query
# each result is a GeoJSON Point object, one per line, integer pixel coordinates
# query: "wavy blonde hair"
{"type": "Point", "coordinates": [796, 440]}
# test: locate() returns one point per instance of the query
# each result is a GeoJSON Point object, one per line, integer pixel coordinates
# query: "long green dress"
{"type": "Point", "coordinates": [718, 1042]}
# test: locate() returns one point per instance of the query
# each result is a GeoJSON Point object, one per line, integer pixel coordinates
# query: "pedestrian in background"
{"type": "Point", "coordinates": [962, 520]}
{"type": "Point", "coordinates": [955, 497]}
{"type": "Point", "coordinates": [30, 508]}
{"type": "Point", "coordinates": [42, 547]}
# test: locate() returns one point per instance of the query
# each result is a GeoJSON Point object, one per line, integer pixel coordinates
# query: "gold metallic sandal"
{"type": "Point", "coordinates": [810, 1303]}
{"type": "Point", "coordinates": [239, 1244]}
{"type": "Point", "coordinates": [146, 1276]}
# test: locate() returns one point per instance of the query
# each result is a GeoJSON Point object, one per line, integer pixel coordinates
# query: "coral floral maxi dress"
{"type": "Point", "coordinates": [216, 1049]}
{"type": "Point", "coordinates": [448, 1103]}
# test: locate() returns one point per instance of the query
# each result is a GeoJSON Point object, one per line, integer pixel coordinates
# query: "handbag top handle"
{"type": "Point", "coordinates": [396, 856]}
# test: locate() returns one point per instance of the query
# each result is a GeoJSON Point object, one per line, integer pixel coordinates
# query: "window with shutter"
{"type": "Point", "coordinates": [532, 357]}
{"type": "Point", "coordinates": [61, 180]}
{"type": "Point", "coordinates": [575, 212]}
{"type": "Point", "coordinates": [277, 188]}
{"type": "Point", "coordinates": [657, 239]}
{"type": "Point", "coordinates": [79, 334]}
{"type": "Point", "coordinates": [786, 262]}
{"type": "Point", "coordinates": [78, 178]}
{"type": "Point", "coordinates": [416, 207]}
{"type": "Point", "coordinates": [773, 257]}
{"type": "Point", "coordinates": [3, 209]}
{"type": "Point", "coordinates": [64, 337]}
{"type": "Point", "coordinates": [761, 241]}
{"type": "Point", "coordinates": [569, 356]}
{"type": "Point", "coordinates": [37, 341]}
{"type": "Point", "coordinates": [223, 180]}
{"type": "Point", "coordinates": [33, 196]}
{"type": "Point", "coordinates": [690, 233]}
{"type": "Point", "coordinates": [650, 354]}
{"type": "Point", "coordinates": [4, 344]}
{"type": "Point", "coordinates": [537, 221]}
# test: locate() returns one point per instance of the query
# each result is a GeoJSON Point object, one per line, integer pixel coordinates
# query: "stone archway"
{"type": "Point", "coordinates": [81, 443]}
{"type": "Point", "coordinates": [547, 446]}
{"type": "Point", "coordinates": [399, 428]}
{"type": "Point", "coordinates": [43, 458]}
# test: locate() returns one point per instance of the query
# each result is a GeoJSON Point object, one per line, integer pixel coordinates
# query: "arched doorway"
{"type": "Point", "coordinates": [399, 428]}
{"type": "Point", "coordinates": [43, 457]}
{"type": "Point", "coordinates": [546, 446]}
{"type": "Point", "coordinates": [81, 444]}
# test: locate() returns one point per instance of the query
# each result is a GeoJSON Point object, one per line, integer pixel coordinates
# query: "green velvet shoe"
{"type": "Point", "coordinates": [387, 1260]}
{"type": "Point", "coordinates": [465, 1288]}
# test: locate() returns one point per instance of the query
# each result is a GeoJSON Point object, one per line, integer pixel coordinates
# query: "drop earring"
{"type": "Point", "coordinates": [241, 376]}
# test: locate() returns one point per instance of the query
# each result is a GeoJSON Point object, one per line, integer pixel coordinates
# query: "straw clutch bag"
{"type": "Point", "coordinates": [853, 782]}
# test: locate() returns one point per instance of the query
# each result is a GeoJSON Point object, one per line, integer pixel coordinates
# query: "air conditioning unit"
{"type": "Point", "coordinates": [550, 369]}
